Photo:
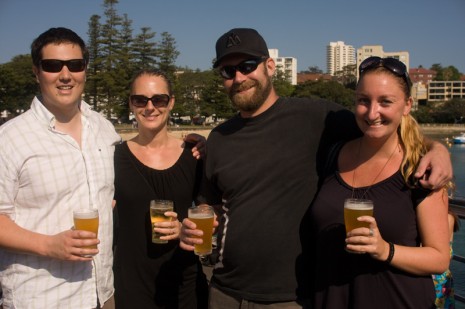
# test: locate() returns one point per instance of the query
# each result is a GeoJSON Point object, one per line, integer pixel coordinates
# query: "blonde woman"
{"type": "Point", "coordinates": [407, 239]}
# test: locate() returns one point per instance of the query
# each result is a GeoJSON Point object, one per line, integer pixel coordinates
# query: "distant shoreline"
{"type": "Point", "coordinates": [127, 134]}
{"type": "Point", "coordinates": [442, 128]}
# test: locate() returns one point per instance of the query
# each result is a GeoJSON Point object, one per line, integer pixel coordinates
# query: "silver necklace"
{"type": "Point", "coordinates": [374, 180]}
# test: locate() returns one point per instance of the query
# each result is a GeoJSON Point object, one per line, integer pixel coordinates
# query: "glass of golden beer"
{"type": "Point", "coordinates": [86, 219]}
{"type": "Point", "coordinates": [202, 216]}
{"type": "Point", "coordinates": [354, 208]}
{"type": "Point", "coordinates": [157, 214]}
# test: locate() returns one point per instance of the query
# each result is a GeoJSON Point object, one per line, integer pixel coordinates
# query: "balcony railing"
{"type": "Point", "coordinates": [458, 206]}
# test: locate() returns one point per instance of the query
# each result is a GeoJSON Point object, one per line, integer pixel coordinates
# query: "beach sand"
{"type": "Point", "coordinates": [125, 135]}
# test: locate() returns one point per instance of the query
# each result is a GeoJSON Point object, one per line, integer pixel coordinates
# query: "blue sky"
{"type": "Point", "coordinates": [432, 31]}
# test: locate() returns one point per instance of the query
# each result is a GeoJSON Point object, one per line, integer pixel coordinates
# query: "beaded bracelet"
{"type": "Point", "coordinates": [391, 253]}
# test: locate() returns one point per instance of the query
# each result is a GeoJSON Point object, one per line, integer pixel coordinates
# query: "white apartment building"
{"type": "Point", "coordinates": [339, 55]}
{"type": "Point", "coordinates": [287, 65]}
{"type": "Point", "coordinates": [377, 50]}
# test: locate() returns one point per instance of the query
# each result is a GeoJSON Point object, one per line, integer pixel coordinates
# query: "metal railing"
{"type": "Point", "coordinates": [458, 206]}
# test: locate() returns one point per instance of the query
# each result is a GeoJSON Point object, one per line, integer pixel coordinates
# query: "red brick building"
{"type": "Point", "coordinates": [421, 75]}
{"type": "Point", "coordinates": [303, 77]}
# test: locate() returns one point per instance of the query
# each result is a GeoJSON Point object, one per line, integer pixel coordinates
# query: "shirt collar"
{"type": "Point", "coordinates": [47, 118]}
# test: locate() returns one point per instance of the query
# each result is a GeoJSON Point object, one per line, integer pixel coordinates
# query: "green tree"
{"type": "Point", "coordinates": [347, 76]}
{"type": "Point", "coordinates": [445, 74]}
{"type": "Point", "coordinates": [214, 99]}
{"type": "Point", "coordinates": [281, 84]}
{"type": "Point", "coordinates": [201, 93]}
{"type": "Point", "coordinates": [451, 73]}
{"type": "Point", "coordinates": [313, 69]}
{"type": "Point", "coordinates": [186, 89]}
{"type": "Point", "coordinates": [94, 66]}
{"type": "Point", "coordinates": [124, 69]}
{"type": "Point", "coordinates": [329, 90]}
{"type": "Point", "coordinates": [452, 111]}
{"type": "Point", "coordinates": [167, 53]}
{"type": "Point", "coordinates": [110, 45]}
{"type": "Point", "coordinates": [18, 85]}
{"type": "Point", "coordinates": [423, 114]}
{"type": "Point", "coordinates": [144, 49]}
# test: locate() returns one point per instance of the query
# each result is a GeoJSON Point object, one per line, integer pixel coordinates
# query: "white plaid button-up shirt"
{"type": "Point", "coordinates": [44, 175]}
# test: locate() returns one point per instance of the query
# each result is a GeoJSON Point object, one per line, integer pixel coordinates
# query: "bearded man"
{"type": "Point", "coordinates": [262, 170]}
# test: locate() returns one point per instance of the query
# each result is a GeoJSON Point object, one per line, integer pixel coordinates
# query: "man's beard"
{"type": "Point", "coordinates": [253, 103]}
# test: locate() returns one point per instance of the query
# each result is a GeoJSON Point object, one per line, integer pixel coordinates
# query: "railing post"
{"type": "Point", "coordinates": [458, 206]}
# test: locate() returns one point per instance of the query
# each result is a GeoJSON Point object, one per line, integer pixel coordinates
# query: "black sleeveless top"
{"type": "Point", "coordinates": [151, 275]}
{"type": "Point", "coordinates": [345, 280]}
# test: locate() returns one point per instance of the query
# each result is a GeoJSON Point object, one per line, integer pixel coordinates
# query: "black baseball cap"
{"type": "Point", "coordinates": [240, 41]}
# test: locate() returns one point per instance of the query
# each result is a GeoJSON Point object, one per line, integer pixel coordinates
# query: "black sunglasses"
{"type": "Point", "coordinates": [392, 64]}
{"type": "Point", "coordinates": [158, 100]}
{"type": "Point", "coordinates": [245, 67]}
{"type": "Point", "coordinates": [55, 65]}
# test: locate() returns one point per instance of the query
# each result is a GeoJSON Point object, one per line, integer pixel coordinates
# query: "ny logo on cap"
{"type": "Point", "coordinates": [233, 40]}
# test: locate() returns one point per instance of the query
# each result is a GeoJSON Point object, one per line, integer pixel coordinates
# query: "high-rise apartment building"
{"type": "Point", "coordinates": [287, 65]}
{"type": "Point", "coordinates": [377, 50]}
{"type": "Point", "coordinates": [339, 55]}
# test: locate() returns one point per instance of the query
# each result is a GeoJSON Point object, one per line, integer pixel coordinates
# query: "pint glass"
{"type": "Point", "coordinates": [86, 219]}
{"type": "Point", "coordinates": [202, 216]}
{"type": "Point", "coordinates": [354, 208]}
{"type": "Point", "coordinates": [157, 214]}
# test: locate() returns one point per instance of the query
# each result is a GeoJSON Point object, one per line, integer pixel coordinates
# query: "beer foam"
{"type": "Point", "coordinates": [201, 216]}
{"type": "Point", "coordinates": [358, 206]}
{"type": "Point", "coordinates": [85, 213]}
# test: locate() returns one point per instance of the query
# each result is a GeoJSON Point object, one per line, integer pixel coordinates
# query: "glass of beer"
{"type": "Point", "coordinates": [354, 208]}
{"type": "Point", "coordinates": [202, 216]}
{"type": "Point", "coordinates": [157, 214]}
{"type": "Point", "coordinates": [86, 219]}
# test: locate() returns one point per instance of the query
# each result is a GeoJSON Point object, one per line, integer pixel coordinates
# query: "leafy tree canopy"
{"type": "Point", "coordinates": [282, 85]}
{"type": "Point", "coordinates": [329, 90]}
{"type": "Point", "coordinates": [449, 73]}
{"type": "Point", "coordinates": [18, 85]}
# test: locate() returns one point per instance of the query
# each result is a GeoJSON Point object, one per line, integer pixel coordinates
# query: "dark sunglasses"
{"type": "Point", "coordinates": [55, 65]}
{"type": "Point", "coordinates": [158, 100]}
{"type": "Point", "coordinates": [392, 64]}
{"type": "Point", "coordinates": [245, 67]}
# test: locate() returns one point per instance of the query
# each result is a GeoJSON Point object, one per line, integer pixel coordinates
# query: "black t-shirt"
{"type": "Point", "coordinates": [264, 170]}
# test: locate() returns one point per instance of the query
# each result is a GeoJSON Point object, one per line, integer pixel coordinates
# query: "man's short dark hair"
{"type": "Point", "coordinates": [56, 36]}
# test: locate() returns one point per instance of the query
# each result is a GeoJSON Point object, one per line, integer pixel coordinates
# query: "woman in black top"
{"type": "Point", "coordinates": [154, 165]}
{"type": "Point", "coordinates": [407, 239]}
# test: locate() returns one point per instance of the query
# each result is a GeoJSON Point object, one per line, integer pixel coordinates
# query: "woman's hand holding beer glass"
{"type": "Point", "coordinates": [170, 229]}
{"type": "Point", "coordinates": [165, 224]}
{"type": "Point", "coordinates": [367, 240]}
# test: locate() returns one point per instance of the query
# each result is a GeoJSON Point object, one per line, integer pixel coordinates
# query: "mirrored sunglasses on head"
{"type": "Point", "coordinates": [56, 65]}
{"type": "Point", "coordinates": [395, 66]}
{"type": "Point", "coordinates": [245, 67]}
{"type": "Point", "coordinates": [158, 100]}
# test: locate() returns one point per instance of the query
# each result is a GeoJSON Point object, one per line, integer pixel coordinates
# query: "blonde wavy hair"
{"type": "Point", "coordinates": [411, 139]}
{"type": "Point", "coordinates": [412, 142]}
